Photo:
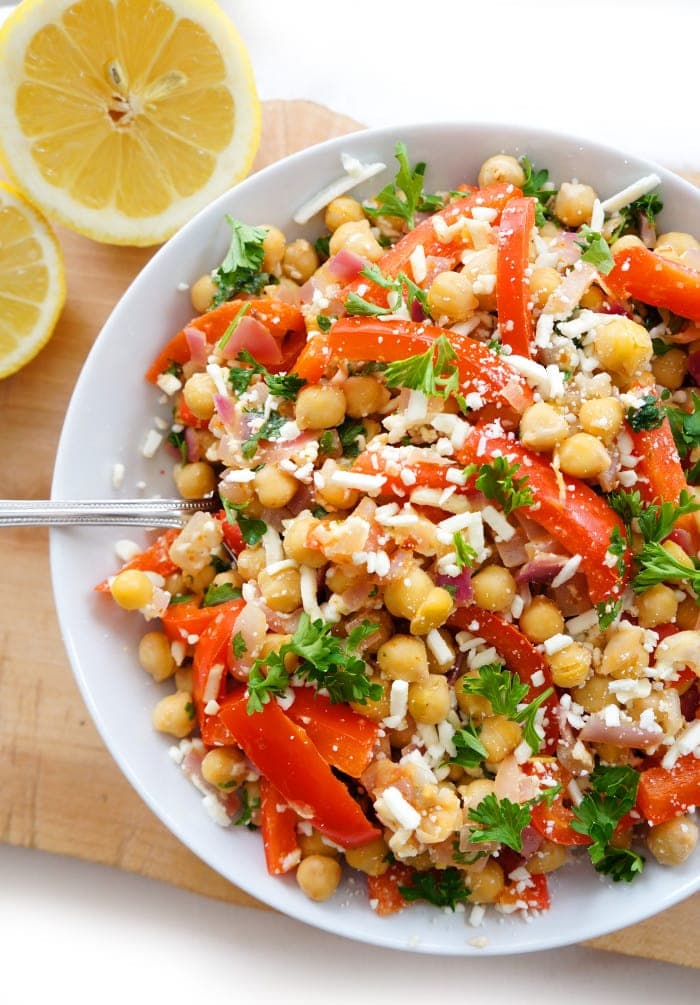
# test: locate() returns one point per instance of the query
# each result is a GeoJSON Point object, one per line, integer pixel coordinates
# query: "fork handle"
{"type": "Point", "coordinates": [105, 512]}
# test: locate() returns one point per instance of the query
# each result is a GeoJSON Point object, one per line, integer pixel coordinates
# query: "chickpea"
{"type": "Point", "coordinates": [666, 706]}
{"type": "Point", "coordinates": [610, 753]}
{"type": "Point", "coordinates": [174, 715]}
{"type": "Point", "coordinates": [542, 427]}
{"type": "Point", "coordinates": [674, 244]}
{"type": "Point", "coordinates": [320, 406]}
{"type": "Point", "coordinates": [625, 243]}
{"type": "Point", "coordinates": [670, 369]}
{"type": "Point", "coordinates": [364, 395]}
{"type": "Point", "coordinates": [313, 844]}
{"type": "Point", "coordinates": [132, 589]}
{"type": "Point", "coordinates": [571, 666]}
{"type": "Point", "coordinates": [300, 260]}
{"type": "Point", "coordinates": [295, 538]}
{"type": "Point", "coordinates": [429, 700]}
{"type": "Point", "coordinates": [224, 767]}
{"type": "Point", "coordinates": [329, 493]}
{"type": "Point", "coordinates": [202, 292]}
{"type": "Point", "coordinates": [487, 884]}
{"type": "Point", "coordinates": [451, 296]}
{"type": "Point", "coordinates": [583, 456]}
{"type": "Point", "coordinates": [594, 694]}
{"type": "Point", "coordinates": [624, 348]}
{"type": "Point", "coordinates": [602, 418]}
{"type": "Point", "coordinates": [184, 679]}
{"type": "Point", "coordinates": [688, 615]}
{"type": "Point", "coordinates": [197, 582]}
{"type": "Point", "coordinates": [593, 299]}
{"type": "Point", "coordinates": [319, 876]}
{"type": "Point", "coordinates": [500, 736]}
{"type": "Point", "coordinates": [548, 857]}
{"type": "Point", "coordinates": [340, 578]}
{"type": "Point", "coordinates": [501, 169]}
{"type": "Point", "coordinates": [404, 657]}
{"type": "Point", "coordinates": [625, 655]}
{"type": "Point", "coordinates": [543, 282]}
{"type": "Point", "coordinates": [194, 480]}
{"type": "Point", "coordinates": [681, 556]}
{"type": "Point", "coordinates": [198, 392]}
{"type": "Point", "coordinates": [155, 655]}
{"type": "Point", "coordinates": [371, 858]}
{"type": "Point", "coordinates": [672, 842]}
{"type": "Point", "coordinates": [541, 619]}
{"type": "Point", "coordinates": [275, 487]}
{"type": "Point", "coordinates": [250, 563]}
{"type": "Point", "coordinates": [343, 210]}
{"type": "Point", "coordinates": [272, 643]}
{"type": "Point", "coordinates": [433, 612]}
{"type": "Point", "coordinates": [494, 588]}
{"type": "Point", "coordinates": [384, 631]}
{"type": "Point", "coordinates": [375, 709]}
{"type": "Point", "coordinates": [475, 792]}
{"type": "Point", "coordinates": [281, 590]}
{"type": "Point", "coordinates": [573, 203]}
{"type": "Point", "coordinates": [399, 738]}
{"type": "Point", "coordinates": [474, 705]}
{"type": "Point", "coordinates": [356, 237]}
{"type": "Point", "coordinates": [403, 596]}
{"type": "Point", "coordinates": [657, 606]}
{"type": "Point", "coordinates": [229, 577]}
{"type": "Point", "coordinates": [273, 251]}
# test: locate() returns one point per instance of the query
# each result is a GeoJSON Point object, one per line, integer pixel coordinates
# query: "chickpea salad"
{"type": "Point", "coordinates": [444, 627]}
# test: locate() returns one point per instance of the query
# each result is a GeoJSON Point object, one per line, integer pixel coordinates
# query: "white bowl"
{"type": "Point", "coordinates": [110, 412]}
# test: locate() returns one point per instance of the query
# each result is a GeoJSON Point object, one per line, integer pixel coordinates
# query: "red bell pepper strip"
{"type": "Point", "coordinates": [189, 618]}
{"type": "Point", "coordinates": [214, 647]}
{"type": "Point", "coordinates": [582, 521]}
{"type": "Point", "coordinates": [513, 294]}
{"type": "Point", "coordinates": [233, 537]}
{"type": "Point", "coordinates": [384, 894]}
{"type": "Point", "coordinates": [554, 821]}
{"type": "Point", "coordinates": [279, 831]}
{"type": "Point", "coordinates": [284, 321]}
{"type": "Point", "coordinates": [155, 558]}
{"type": "Point", "coordinates": [371, 339]}
{"type": "Point", "coordinates": [534, 897]}
{"type": "Point", "coordinates": [396, 259]}
{"type": "Point", "coordinates": [382, 462]}
{"type": "Point", "coordinates": [284, 754]}
{"type": "Point", "coordinates": [343, 738]}
{"type": "Point", "coordinates": [665, 793]}
{"type": "Point", "coordinates": [643, 275]}
{"type": "Point", "coordinates": [660, 477]}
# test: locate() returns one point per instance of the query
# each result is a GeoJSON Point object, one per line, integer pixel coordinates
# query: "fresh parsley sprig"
{"type": "Point", "coordinates": [537, 185]}
{"type": "Point", "coordinates": [685, 427]}
{"type": "Point", "coordinates": [404, 197]}
{"type": "Point", "coordinates": [402, 287]}
{"type": "Point", "coordinates": [613, 794]}
{"type": "Point", "coordinates": [649, 415]}
{"type": "Point", "coordinates": [630, 217]}
{"type": "Point", "coordinates": [269, 430]}
{"type": "Point", "coordinates": [470, 750]}
{"type": "Point", "coordinates": [252, 529]}
{"type": "Point", "coordinates": [505, 691]}
{"type": "Point", "coordinates": [432, 372]}
{"type": "Point", "coordinates": [248, 808]}
{"type": "Point", "coordinates": [503, 821]}
{"type": "Point", "coordinates": [240, 271]}
{"type": "Point", "coordinates": [285, 385]}
{"type": "Point", "coordinates": [595, 250]}
{"type": "Point", "coordinates": [656, 565]}
{"type": "Point", "coordinates": [220, 594]}
{"type": "Point", "coordinates": [496, 479]}
{"type": "Point", "coordinates": [465, 555]}
{"type": "Point", "coordinates": [441, 887]}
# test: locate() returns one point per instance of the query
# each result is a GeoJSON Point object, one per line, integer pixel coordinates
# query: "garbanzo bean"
{"type": "Point", "coordinates": [224, 767]}
{"type": "Point", "coordinates": [184, 679]}
{"type": "Point", "coordinates": [500, 736]}
{"type": "Point", "coordinates": [594, 694]}
{"type": "Point", "coordinates": [571, 666]}
{"type": "Point", "coordinates": [542, 427]}
{"type": "Point", "coordinates": [372, 858]}
{"type": "Point", "coordinates": [155, 655]}
{"type": "Point", "coordinates": [364, 395]}
{"type": "Point", "coordinates": [198, 392]}
{"type": "Point", "coordinates": [250, 563]}
{"type": "Point", "coordinates": [625, 655]}
{"type": "Point", "coordinates": [665, 706]}
{"type": "Point", "coordinates": [475, 705]}
{"type": "Point", "coordinates": [548, 857]}
{"type": "Point", "coordinates": [281, 590]}
{"type": "Point", "coordinates": [657, 606]}
{"type": "Point", "coordinates": [602, 417]}
{"type": "Point", "coordinates": [674, 244]}
{"type": "Point", "coordinates": [573, 203]}
{"type": "Point", "coordinates": [319, 876]}
{"type": "Point", "coordinates": [375, 709]}
{"type": "Point", "coordinates": [356, 237]}
{"type": "Point", "coordinates": [295, 538]}
{"type": "Point", "coordinates": [501, 169]}
{"type": "Point", "coordinates": [194, 480]}
{"type": "Point", "coordinates": [451, 296]}
{"type": "Point", "coordinates": [593, 299]}
{"type": "Point", "coordinates": [202, 292]}
{"type": "Point", "coordinates": [670, 369]}
{"type": "Point", "coordinates": [273, 251]}
{"type": "Point", "coordinates": [320, 406]}
{"type": "Point", "coordinates": [473, 793]}
{"type": "Point", "coordinates": [131, 589]}
{"type": "Point", "coordinates": [313, 844]}
{"type": "Point", "coordinates": [329, 493]}
{"type": "Point", "coordinates": [672, 842]}
{"type": "Point", "coordinates": [433, 612]}
{"type": "Point", "coordinates": [688, 615]}
{"type": "Point", "coordinates": [583, 456]}
{"type": "Point", "coordinates": [681, 556]}
{"type": "Point", "coordinates": [543, 282]}
{"type": "Point", "coordinates": [300, 260]}
{"type": "Point", "coordinates": [624, 348]}
{"type": "Point", "coordinates": [342, 210]}
{"type": "Point", "coordinates": [487, 884]}
{"type": "Point", "coordinates": [494, 588]}
{"type": "Point", "coordinates": [403, 596]}
{"type": "Point", "coordinates": [403, 657]}
{"type": "Point", "coordinates": [275, 487]}
{"type": "Point", "coordinates": [174, 715]}
{"type": "Point", "coordinates": [541, 619]}
{"type": "Point", "coordinates": [429, 700]}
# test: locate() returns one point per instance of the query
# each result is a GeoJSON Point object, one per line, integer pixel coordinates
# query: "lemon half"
{"type": "Point", "coordinates": [123, 118]}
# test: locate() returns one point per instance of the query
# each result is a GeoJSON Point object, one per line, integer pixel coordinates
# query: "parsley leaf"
{"type": "Point", "coordinates": [657, 566]}
{"type": "Point", "coordinates": [404, 196]}
{"type": "Point", "coordinates": [349, 431]}
{"type": "Point", "coordinates": [686, 426]}
{"type": "Point", "coordinates": [403, 288]}
{"type": "Point", "coordinates": [607, 611]}
{"type": "Point", "coordinates": [240, 270]}
{"type": "Point", "coordinates": [358, 306]}
{"type": "Point", "coordinates": [466, 556]}
{"type": "Point", "coordinates": [596, 250]}
{"type": "Point", "coordinates": [613, 794]}
{"type": "Point", "coordinates": [496, 480]}
{"type": "Point", "coordinates": [282, 385]}
{"type": "Point", "coordinates": [252, 530]}
{"type": "Point", "coordinates": [248, 807]}
{"type": "Point", "coordinates": [434, 375]}
{"type": "Point", "coordinates": [441, 887]}
{"type": "Point", "coordinates": [322, 246]}
{"type": "Point", "coordinates": [220, 594]}
{"type": "Point", "coordinates": [649, 206]}
{"type": "Point", "coordinates": [534, 185]}
{"type": "Point", "coordinates": [223, 341]}
{"type": "Point", "coordinates": [176, 438]}
{"type": "Point", "coordinates": [618, 548]}
{"type": "Point", "coordinates": [649, 415]}
{"type": "Point", "coordinates": [470, 750]}
{"type": "Point", "coordinates": [503, 821]}
{"type": "Point", "coordinates": [285, 385]}
{"type": "Point", "coordinates": [239, 646]}
{"type": "Point", "coordinates": [324, 322]}
{"type": "Point", "coordinates": [505, 691]}
{"type": "Point", "coordinates": [654, 522]}
{"type": "Point", "coordinates": [262, 687]}
{"type": "Point", "coordinates": [269, 430]}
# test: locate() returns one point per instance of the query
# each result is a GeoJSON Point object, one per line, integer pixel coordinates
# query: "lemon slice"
{"type": "Point", "coordinates": [123, 118]}
{"type": "Point", "coordinates": [32, 284]}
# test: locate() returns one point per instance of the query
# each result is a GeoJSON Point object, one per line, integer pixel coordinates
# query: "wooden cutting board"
{"type": "Point", "coordinates": [60, 791]}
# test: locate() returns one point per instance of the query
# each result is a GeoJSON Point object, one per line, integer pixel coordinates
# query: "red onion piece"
{"type": "Point", "coordinates": [690, 702]}
{"type": "Point", "coordinates": [192, 444]}
{"type": "Point", "coordinates": [543, 568]}
{"type": "Point", "coordinates": [694, 366]}
{"type": "Point", "coordinates": [531, 841]}
{"type": "Point", "coordinates": [225, 408]}
{"type": "Point", "coordinates": [287, 294]}
{"type": "Point", "coordinates": [252, 335]}
{"type": "Point", "coordinates": [462, 585]}
{"type": "Point", "coordinates": [682, 538]}
{"type": "Point", "coordinates": [647, 231]}
{"type": "Point", "coordinates": [625, 735]}
{"type": "Point", "coordinates": [512, 552]}
{"type": "Point", "coordinates": [417, 312]}
{"type": "Point", "coordinates": [197, 345]}
{"type": "Point", "coordinates": [306, 293]}
{"type": "Point", "coordinates": [345, 265]}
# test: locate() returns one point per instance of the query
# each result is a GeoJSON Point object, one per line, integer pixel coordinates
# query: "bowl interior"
{"type": "Point", "coordinates": [110, 413]}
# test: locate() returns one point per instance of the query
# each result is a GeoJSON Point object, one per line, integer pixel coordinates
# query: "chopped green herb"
{"type": "Point", "coordinates": [248, 807]}
{"type": "Point", "coordinates": [654, 522]}
{"type": "Point", "coordinates": [285, 385]}
{"type": "Point", "coordinates": [358, 306]}
{"type": "Point", "coordinates": [656, 565]}
{"type": "Point", "coordinates": [505, 691]}
{"type": "Point", "coordinates": [536, 184]}
{"type": "Point", "coordinates": [466, 555]}
{"type": "Point", "coordinates": [648, 206]}
{"type": "Point", "coordinates": [223, 341]}
{"type": "Point", "coordinates": [252, 530]}
{"type": "Point", "coordinates": [404, 196]}
{"type": "Point", "coordinates": [503, 821]}
{"type": "Point", "coordinates": [219, 564]}
{"type": "Point", "coordinates": [349, 432]}
{"type": "Point", "coordinates": [319, 512]}
{"type": "Point", "coordinates": [189, 710]}
{"type": "Point", "coordinates": [498, 482]}
{"type": "Point", "coordinates": [441, 887]}
{"type": "Point", "coordinates": [608, 611]}
{"type": "Point", "coordinates": [240, 271]}
{"type": "Point", "coordinates": [282, 385]}
{"type": "Point", "coordinates": [239, 646]}
{"type": "Point", "coordinates": [618, 548]}
{"type": "Point", "coordinates": [220, 594]}
{"type": "Point", "coordinates": [269, 430]}
{"type": "Point", "coordinates": [434, 375]}
{"type": "Point", "coordinates": [180, 598]}
{"type": "Point", "coordinates": [176, 438]}
{"type": "Point", "coordinates": [649, 415]}
{"type": "Point", "coordinates": [174, 369]}
{"type": "Point", "coordinates": [322, 246]}
{"type": "Point", "coordinates": [596, 250]}
{"type": "Point", "coordinates": [613, 794]}
{"type": "Point", "coordinates": [660, 347]}
{"type": "Point", "coordinates": [686, 426]}
{"type": "Point", "coordinates": [327, 443]}
{"type": "Point", "coordinates": [324, 323]}
{"type": "Point", "coordinates": [470, 750]}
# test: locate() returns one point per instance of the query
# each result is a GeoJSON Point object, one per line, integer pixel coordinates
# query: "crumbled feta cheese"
{"type": "Point", "coordinates": [555, 643]}
{"type": "Point", "coordinates": [356, 480]}
{"type": "Point", "coordinates": [567, 572]}
{"type": "Point", "coordinates": [687, 743]}
{"type": "Point", "coordinates": [125, 549]}
{"type": "Point", "coordinates": [392, 809]}
{"type": "Point", "coordinates": [498, 523]}
{"type": "Point", "coordinates": [168, 383]}
{"type": "Point", "coordinates": [216, 810]}
{"type": "Point", "coordinates": [118, 475]}
{"type": "Point", "coordinates": [151, 443]}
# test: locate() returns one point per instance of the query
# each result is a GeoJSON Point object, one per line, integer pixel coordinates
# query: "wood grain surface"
{"type": "Point", "coordinates": [60, 790]}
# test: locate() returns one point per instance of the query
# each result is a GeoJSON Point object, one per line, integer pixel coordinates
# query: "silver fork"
{"type": "Point", "coordinates": [106, 512]}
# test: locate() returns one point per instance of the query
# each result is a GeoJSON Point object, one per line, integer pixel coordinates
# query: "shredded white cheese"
{"type": "Point", "coordinates": [634, 191]}
{"type": "Point", "coordinates": [355, 174]}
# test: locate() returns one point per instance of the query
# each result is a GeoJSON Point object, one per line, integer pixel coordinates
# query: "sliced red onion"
{"type": "Point", "coordinates": [192, 444]}
{"type": "Point", "coordinates": [306, 293]}
{"type": "Point", "coordinates": [682, 538]}
{"type": "Point", "coordinates": [647, 231]}
{"type": "Point", "coordinates": [252, 335]}
{"type": "Point", "coordinates": [543, 568]}
{"type": "Point", "coordinates": [197, 345]}
{"type": "Point", "coordinates": [625, 735]}
{"type": "Point", "coordinates": [694, 366]}
{"type": "Point", "coordinates": [531, 841]}
{"type": "Point", "coordinates": [512, 552]}
{"type": "Point", "coordinates": [287, 293]}
{"type": "Point", "coordinates": [512, 783]}
{"type": "Point", "coordinates": [462, 585]}
{"type": "Point", "coordinates": [690, 702]}
{"type": "Point", "coordinates": [417, 312]}
{"type": "Point", "coordinates": [346, 265]}
{"type": "Point", "coordinates": [225, 408]}
{"type": "Point", "coordinates": [572, 598]}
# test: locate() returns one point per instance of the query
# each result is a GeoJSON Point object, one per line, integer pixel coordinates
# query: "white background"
{"type": "Point", "coordinates": [627, 75]}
